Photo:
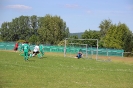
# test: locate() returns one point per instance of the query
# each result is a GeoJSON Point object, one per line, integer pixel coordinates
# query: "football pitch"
{"type": "Point", "coordinates": [56, 71]}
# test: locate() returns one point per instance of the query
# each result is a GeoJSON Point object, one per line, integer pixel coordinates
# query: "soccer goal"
{"type": "Point", "coordinates": [73, 46]}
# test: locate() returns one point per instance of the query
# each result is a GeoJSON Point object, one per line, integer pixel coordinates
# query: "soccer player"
{"type": "Point", "coordinates": [22, 46]}
{"type": "Point", "coordinates": [36, 50]}
{"type": "Point", "coordinates": [79, 55]}
{"type": "Point", "coordinates": [41, 48]}
{"type": "Point", "coordinates": [16, 46]}
{"type": "Point", "coordinates": [26, 50]}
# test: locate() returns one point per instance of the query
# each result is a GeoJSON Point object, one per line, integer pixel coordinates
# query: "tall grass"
{"type": "Point", "coordinates": [55, 71]}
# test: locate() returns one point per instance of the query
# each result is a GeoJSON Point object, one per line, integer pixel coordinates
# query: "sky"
{"type": "Point", "coordinates": [79, 15]}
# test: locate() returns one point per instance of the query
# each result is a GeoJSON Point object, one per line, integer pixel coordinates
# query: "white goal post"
{"type": "Point", "coordinates": [81, 40]}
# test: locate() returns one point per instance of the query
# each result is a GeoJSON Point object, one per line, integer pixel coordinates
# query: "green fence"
{"type": "Point", "coordinates": [7, 45]}
{"type": "Point", "coordinates": [74, 50]}
{"type": "Point", "coordinates": [93, 51]}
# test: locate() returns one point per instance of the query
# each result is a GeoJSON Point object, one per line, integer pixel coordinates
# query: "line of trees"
{"type": "Point", "coordinates": [48, 29]}
{"type": "Point", "coordinates": [115, 36]}
{"type": "Point", "coordinates": [53, 30]}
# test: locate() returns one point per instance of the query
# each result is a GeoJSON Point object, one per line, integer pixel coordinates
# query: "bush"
{"type": "Point", "coordinates": [21, 41]}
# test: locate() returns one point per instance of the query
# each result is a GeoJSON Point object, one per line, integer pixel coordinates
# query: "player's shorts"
{"type": "Point", "coordinates": [15, 48]}
{"type": "Point", "coordinates": [35, 52]}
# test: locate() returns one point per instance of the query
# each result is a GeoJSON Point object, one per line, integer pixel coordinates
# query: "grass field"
{"type": "Point", "coordinates": [55, 71]}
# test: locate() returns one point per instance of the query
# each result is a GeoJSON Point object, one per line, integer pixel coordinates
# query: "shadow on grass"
{"type": "Point", "coordinates": [31, 60]}
{"type": "Point", "coordinates": [42, 57]}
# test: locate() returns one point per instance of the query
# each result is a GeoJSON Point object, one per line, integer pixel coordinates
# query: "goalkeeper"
{"type": "Point", "coordinates": [79, 55]}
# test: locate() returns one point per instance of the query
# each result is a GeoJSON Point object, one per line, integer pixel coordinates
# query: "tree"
{"type": "Point", "coordinates": [34, 39]}
{"type": "Point", "coordinates": [91, 34]}
{"type": "Point", "coordinates": [118, 36]}
{"type": "Point", "coordinates": [52, 29]}
{"type": "Point", "coordinates": [23, 30]}
{"type": "Point", "coordinates": [104, 26]}
{"type": "Point", "coordinates": [127, 38]}
{"type": "Point", "coordinates": [34, 24]}
{"type": "Point", "coordinates": [74, 37]}
{"type": "Point", "coordinates": [16, 30]}
{"type": "Point", "coordinates": [5, 31]}
{"type": "Point", "coordinates": [110, 39]}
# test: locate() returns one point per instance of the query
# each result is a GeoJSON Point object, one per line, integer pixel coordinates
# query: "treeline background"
{"type": "Point", "coordinates": [53, 30]}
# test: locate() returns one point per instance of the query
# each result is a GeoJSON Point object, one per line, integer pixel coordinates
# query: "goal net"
{"type": "Point", "coordinates": [73, 46]}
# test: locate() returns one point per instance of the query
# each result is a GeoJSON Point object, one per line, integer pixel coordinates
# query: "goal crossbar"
{"type": "Point", "coordinates": [79, 39]}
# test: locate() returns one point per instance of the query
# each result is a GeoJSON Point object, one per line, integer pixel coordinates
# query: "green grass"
{"type": "Point", "coordinates": [59, 72]}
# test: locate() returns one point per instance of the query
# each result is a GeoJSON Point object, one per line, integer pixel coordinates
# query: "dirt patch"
{"type": "Point", "coordinates": [111, 58]}
{"type": "Point", "coordinates": [117, 59]}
